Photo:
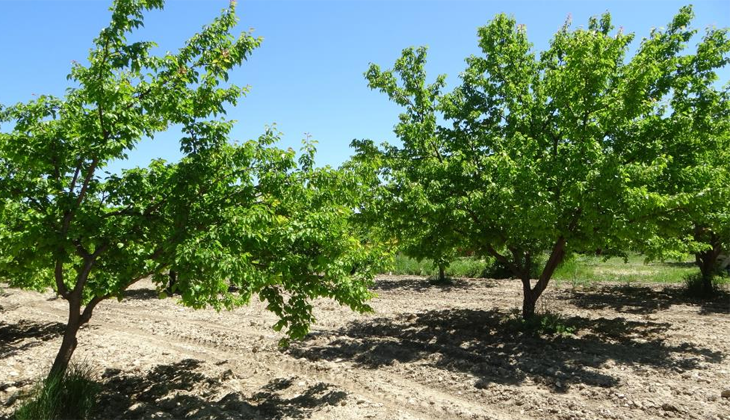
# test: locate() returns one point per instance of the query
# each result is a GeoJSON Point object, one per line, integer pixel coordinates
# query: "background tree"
{"type": "Point", "coordinates": [694, 125]}
{"type": "Point", "coordinates": [554, 152]}
{"type": "Point", "coordinates": [232, 219]}
{"type": "Point", "coordinates": [413, 202]}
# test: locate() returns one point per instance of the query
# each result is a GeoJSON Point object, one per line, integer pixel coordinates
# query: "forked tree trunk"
{"type": "Point", "coordinates": [76, 318]}
{"type": "Point", "coordinates": [532, 294]}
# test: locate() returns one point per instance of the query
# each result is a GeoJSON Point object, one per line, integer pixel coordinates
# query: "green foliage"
{"type": "Point", "coordinates": [404, 265]}
{"type": "Point", "coordinates": [414, 215]}
{"type": "Point", "coordinates": [501, 270]}
{"type": "Point", "coordinates": [570, 149]}
{"type": "Point", "coordinates": [696, 131]}
{"type": "Point", "coordinates": [580, 270]}
{"type": "Point", "coordinates": [71, 395]}
{"type": "Point", "coordinates": [248, 215]}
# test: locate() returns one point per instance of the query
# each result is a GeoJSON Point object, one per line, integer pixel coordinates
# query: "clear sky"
{"type": "Point", "coordinates": [307, 77]}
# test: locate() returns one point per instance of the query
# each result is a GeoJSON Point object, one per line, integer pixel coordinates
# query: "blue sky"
{"type": "Point", "coordinates": [307, 77]}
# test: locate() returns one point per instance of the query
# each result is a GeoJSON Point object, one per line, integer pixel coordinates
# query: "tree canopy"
{"type": "Point", "coordinates": [232, 219]}
{"type": "Point", "coordinates": [563, 151]}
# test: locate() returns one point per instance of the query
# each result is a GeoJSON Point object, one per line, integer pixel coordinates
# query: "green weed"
{"type": "Point", "coordinates": [69, 396]}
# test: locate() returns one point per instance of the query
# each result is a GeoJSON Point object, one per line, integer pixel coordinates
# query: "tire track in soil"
{"type": "Point", "coordinates": [393, 392]}
{"type": "Point", "coordinates": [437, 402]}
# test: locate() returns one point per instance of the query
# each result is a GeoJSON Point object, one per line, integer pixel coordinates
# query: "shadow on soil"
{"type": "Point", "coordinates": [16, 338]}
{"type": "Point", "coordinates": [486, 345]}
{"type": "Point", "coordinates": [426, 284]}
{"type": "Point", "coordinates": [646, 300]}
{"type": "Point", "coordinates": [142, 294]}
{"type": "Point", "coordinates": [184, 390]}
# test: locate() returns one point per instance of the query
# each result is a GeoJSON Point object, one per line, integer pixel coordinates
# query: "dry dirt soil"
{"type": "Point", "coordinates": [427, 352]}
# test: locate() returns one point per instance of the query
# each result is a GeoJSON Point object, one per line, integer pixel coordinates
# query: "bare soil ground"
{"type": "Point", "coordinates": [427, 352]}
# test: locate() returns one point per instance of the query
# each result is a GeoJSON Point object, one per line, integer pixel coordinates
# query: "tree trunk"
{"type": "Point", "coordinates": [532, 294]}
{"type": "Point", "coordinates": [173, 279]}
{"type": "Point", "coordinates": [707, 262]}
{"type": "Point", "coordinates": [76, 318]}
{"type": "Point", "coordinates": [68, 345]}
{"type": "Point", "coordinates": [442, 273]}
{"type": "Point", "coordinates": [528, 300]}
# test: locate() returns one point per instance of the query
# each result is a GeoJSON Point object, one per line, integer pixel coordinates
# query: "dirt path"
{"type": "Point", "coordinates": [427, 352]}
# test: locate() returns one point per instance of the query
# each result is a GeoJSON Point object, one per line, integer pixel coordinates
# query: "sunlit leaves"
{"type": "Point", "coordinates": [577, 147]}
{"type": "Point", "coordinates": [232, 219]}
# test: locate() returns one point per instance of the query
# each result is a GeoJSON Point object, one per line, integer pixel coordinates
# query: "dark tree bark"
{"type": "Point", "coordinates": [528, 300]}
{"type": "Point", "coordinates": [173, 280]}
{"type": "Point", "coordinates": [442, 273]}
{"type": "Point", "coordinates": [68, 345]}
{"type": "Point", "coordinates": [532, 293]}
{"type": "Point", "coordinates": [76, 318]}
{"type": "Point", "coordinates": [707, 259]}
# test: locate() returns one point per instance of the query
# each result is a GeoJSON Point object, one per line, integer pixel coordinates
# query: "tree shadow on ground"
{"type": "Point", "coordinates": [273, 405]}
{"type": "Point", "coordinates": [141, 294]}
{"type": "Point", "coordinates": [646, 300]}
{"type": "Point", "coordinates": [487, 345]}
{"type": "Point", "coordinates": [417, 284]}
{"type": "Point", "coordinates": [16, 338]}
{"type": "Point", "coordinates": [184, 390]}
{"type": "Point", "coordinates": [681, 264]}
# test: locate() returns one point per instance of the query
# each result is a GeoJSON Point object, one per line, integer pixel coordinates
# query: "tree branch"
{"type": "Point", "coordinates": [60, 285]}
{"type": "Point", "coordinates": [501, 258]}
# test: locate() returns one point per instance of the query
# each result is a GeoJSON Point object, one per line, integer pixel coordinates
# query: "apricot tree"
{"type": "Point", "coordinates": [233, 220]}
{"type": "Point", "coordinates": [564, 151]}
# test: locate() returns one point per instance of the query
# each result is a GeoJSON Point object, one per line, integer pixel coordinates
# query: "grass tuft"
{"type": "Point", "coordinates": [542, 323]}
{"type": "Point", "coordinates": [694, 286]}
{"type": "Point", "coordinates": [69, 396]}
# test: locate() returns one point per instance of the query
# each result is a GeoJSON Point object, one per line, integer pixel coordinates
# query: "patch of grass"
{"type": "Point", "coordinates": [69, 396]}
{"type": "Point", "coordinates": [584, 270]}
{"type": "Point", "coordinates": [580, 270]}
{"type": "Point", "coordinates": [460, 267]}
{"type": "Point", "coordinates": [410, 266]}
{"type": "Point", "coordinates": [550, 323]}
{"type": "Point", "coordinates": [468, 267]}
